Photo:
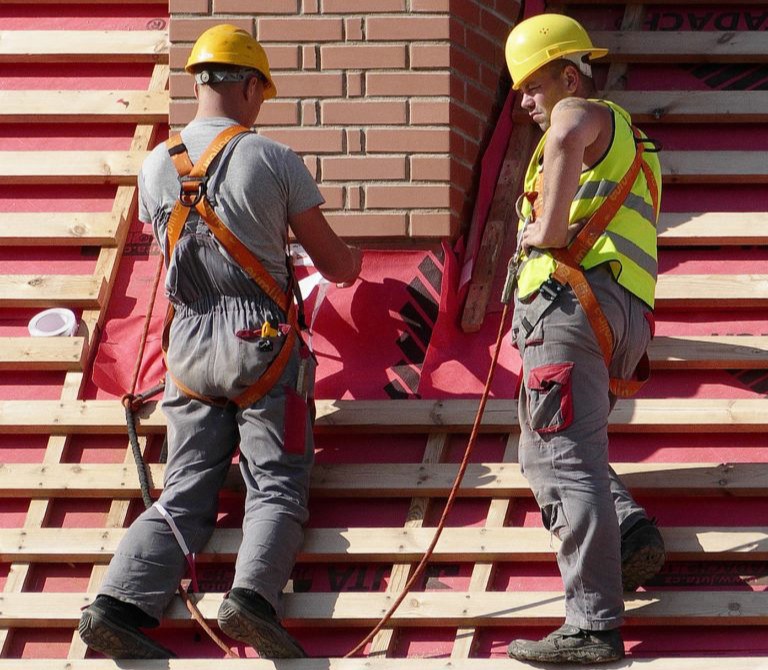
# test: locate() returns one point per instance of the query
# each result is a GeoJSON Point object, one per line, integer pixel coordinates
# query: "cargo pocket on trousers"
{"type": "Point", "coordinates": [550, 401]}
{"type": "Point", "coordinates": [295, 423]}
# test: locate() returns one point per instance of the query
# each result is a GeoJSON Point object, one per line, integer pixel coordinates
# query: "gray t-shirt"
{"type": "Point", "coordinates": [255, 185]}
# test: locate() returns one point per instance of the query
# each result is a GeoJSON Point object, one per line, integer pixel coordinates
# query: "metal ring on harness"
{"type": "Point", "coordinates": [189, 197]}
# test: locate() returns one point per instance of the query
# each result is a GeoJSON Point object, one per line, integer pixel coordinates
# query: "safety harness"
{"type": "Point", "coordinates": [568, 271]}
{"type": "Point", "coordinates": [192, 195]}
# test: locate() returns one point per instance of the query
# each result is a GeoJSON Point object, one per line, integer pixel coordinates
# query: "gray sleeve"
{"type": "Point", "coordinates": [144, 208]}
{"type": "Point", "coordinates": [303, 193]}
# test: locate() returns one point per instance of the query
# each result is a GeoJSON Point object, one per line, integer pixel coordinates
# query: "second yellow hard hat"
{"type": "Point", "coordinates": [543, 39]}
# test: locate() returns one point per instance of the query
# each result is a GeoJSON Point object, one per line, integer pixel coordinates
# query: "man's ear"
{"type": "Point", "coordinates": [571, 77]}
{"type": "Point", "coordinates": [196, 89]}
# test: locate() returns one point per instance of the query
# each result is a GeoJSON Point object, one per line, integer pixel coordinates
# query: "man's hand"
{"type": "Point", "coordinates": [357, 258]}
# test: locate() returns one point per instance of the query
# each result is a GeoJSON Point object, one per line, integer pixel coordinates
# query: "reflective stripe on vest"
{"type": "Point", "coordinates": [629, 242]}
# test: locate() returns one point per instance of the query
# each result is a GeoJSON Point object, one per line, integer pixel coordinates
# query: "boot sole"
{"type": "Point", "coordinates": [269, 639]}
{"type": "Point", "coordinates": [581, 656]}
{"type": "Point", "coordinates": [641, 566]}
{"type": "Point", "coordinates": [107, 637]}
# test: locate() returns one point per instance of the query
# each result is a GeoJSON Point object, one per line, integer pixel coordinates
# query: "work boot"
{"type": "Point", "coordinates": [111, 627]}
{"type": "Point", "coordinates": [244, 615]}
{"type": "Point", "coordinates": [569, 644]}
{"type": "Point", "coordinates": [642, 554]}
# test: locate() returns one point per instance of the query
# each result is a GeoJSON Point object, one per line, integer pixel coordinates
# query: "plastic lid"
{"type": "Point", "coordinates": [56, 322]}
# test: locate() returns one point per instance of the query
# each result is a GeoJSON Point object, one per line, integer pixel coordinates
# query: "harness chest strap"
{"type": "Point", "coordinates": [192, 195]}
{"type": "Point", "coordinates": [568, 269]}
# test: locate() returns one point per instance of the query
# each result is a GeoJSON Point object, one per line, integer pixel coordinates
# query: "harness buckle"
{"type": "Point", "coordinates": [192, 190]}
{"type": "Point", "coordinates": [550, 289]}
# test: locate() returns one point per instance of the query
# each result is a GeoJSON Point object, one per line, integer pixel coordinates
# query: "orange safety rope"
{"type": "Point", "coordinates": [451, 496]}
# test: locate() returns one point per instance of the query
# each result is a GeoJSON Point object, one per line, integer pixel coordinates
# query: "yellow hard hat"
{"type": "Point", "coordinates": [543, 39]}
{"type": "Point", "coordinates": [230, 45]}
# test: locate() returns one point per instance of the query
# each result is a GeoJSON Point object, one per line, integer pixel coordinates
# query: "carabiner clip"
{"type": "Point", "coordinates": [191, 190]}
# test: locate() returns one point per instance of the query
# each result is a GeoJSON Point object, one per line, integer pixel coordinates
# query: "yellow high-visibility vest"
{"type": "Point", "coordinates": [629, 242]}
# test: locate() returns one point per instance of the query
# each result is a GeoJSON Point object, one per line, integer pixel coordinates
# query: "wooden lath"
{"type": "Point", "coordinates": [385, 545]}
{"type": "Point", "coordinates": [86, 291]}
{"type": "Point", "coordinates": [675, 663]}
{"type": "Point", "coordinates": [388, 480]}
{"type": "Point", "coordinates": [42, 353]}
{"type": "Point", "coordinates": [83, 46]}
{"type": "Point", "coordinates": [70, 167]}
{"type": "Point", "coordinates": [658, 415]}
{"type": "Point", "coordinates": [84, 107]}
{"type": "Point", "coordinates": [431, 608]}
{"type": "Point", "coordinates": [77, 229]}
{"type": "Point", "coordinates": [713, 229]}
{"type": "Point", "coordinates": [647, 107]}
{"type": "Point", "coordinates": [682, 47]}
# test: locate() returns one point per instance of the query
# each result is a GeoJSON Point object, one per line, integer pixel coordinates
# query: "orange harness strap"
{"type": "Point", "coordinates": [568, 269]}
{"type": "Point", "coordinates": [192, 194]}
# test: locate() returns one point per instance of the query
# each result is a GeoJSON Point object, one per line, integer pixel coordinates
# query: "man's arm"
{"type": "Point", "coordinates": [334, 259]}
{"type": "Point", "coordinates": [579, 133]}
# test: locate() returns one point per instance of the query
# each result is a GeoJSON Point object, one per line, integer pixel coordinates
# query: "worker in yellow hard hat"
{"type": "Point", "coordinates": [221, 199]}
{"type": "Point", "coordinates": [582, 321]}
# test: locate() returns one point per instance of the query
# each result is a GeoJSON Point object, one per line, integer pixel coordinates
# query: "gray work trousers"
{"type": "Point", "coordinates": [563, 409]}
{"type": "Point", "coordinates": [276, 456]}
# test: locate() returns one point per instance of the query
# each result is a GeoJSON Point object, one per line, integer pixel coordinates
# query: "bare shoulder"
{"type": "Point", "coordinates": [592, 109]}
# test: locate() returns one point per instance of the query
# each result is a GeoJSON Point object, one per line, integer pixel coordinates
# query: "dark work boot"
{"type": "Point", "coordinates": [569, 644]}
{"type": "Point", "coordinates": [244, 615]}
{"type": "Point", "coordinates": [642, 554]}
{"type": "Point", "coordinates": [111, 627]}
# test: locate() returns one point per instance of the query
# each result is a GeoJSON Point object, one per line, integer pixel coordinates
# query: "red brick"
{"type": "Point", "coordinates": [259, 7]}
{"type": "Point", "coordinates": [312, 163]}
{"type": "Point", "coordinates": [368, 224]}
{"type": "Point", "coordinates": [310, 29]}
{"type": "Point", "coordinates": [353, 29]}
{"type": "Point", "coordinates": [484, 48]}
{"type": "Point", "coordinates": [280, 56]}
{"type": "Point", "coordinates": [467, 12]}
{"type": "Point", "coordinates": [432, 5]}
{"type": "Point", "coordinates": [188, 7]}
{"type": "Point", "coordinates": [309, 85]}
{"type": "Point", "coordinates": [406, 28]}
{"type": "Point", "coordinates": [309, 113]}
{"type": "Point", "coordinates": [278, 113]}
{"type": "Point", "coordinates": [309, 57]}
{"type": "Point", "coordinates": [429, 112]}
{"type": "Point", "coordinates": [181, 112]}
{"type": "Point", "coordinates": [334, 196]}
{"type": "Point", "coordinates": [494, 25]}
{"type": "Point", "coordinates": [361, 168]}
{"type": "Point", "coordinates": [180, 85]}
{"type": "Point", "coordinates": [432, 224]}
{"type": "Point", "coordinates": [308, 140]}
{"type": "Point", "coordinates": [354, 140]}
{"type": "Point", "coordinates": [354, 197]}
{"type": "Point", "coordinates": [359, 57]}
{"type": "Point", "coordinates": [362, 112]}
{"type": "Point", "coordinates": [362, 6]}
{"type": "Point", "coordinates": [465, 63]}
{"type": "Point", "coordinates": [310, 6]}
{"type": "Point", "coordinates": [430, 55]}
{"type": "Point", "coordinates": [408, 140]}
{"type": "Point", "coordinates": [354, 84]}
{"type": "Point", "coordinates": [430, 168]}
{"type": "Point", "coordinates": [189, 29]}
{"type": "Point", "coordinates": [467, 121]}
{"type": "Point", "coordinates": [407, 83]}
{"type": "Point", "coordinates": [404, 196]}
